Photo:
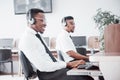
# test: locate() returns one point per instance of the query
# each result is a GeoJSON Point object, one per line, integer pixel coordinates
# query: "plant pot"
{"type": "Point", "coordinates": [112, 39]}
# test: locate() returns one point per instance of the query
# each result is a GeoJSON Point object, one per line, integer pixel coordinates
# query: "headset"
{"type": "Point", "coordinates": [64, 22]}
{"type": "Point", "coordinates": [31, 13]}
{"type": "Point", "coordinates": [30, 17]}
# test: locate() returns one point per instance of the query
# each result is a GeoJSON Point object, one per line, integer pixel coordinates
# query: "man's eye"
{"type": "Point", "coordinates": [72, 23]}
{"type": "Point", "coordinates": [41, 20]}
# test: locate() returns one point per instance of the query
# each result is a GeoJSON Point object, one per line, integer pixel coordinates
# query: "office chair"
{"type": "Point", "coordinates": [27, 67]}
{"type": "Point", "coordinates": [60, 56]}
{"type": "Point", "coordinates": [5, 57]}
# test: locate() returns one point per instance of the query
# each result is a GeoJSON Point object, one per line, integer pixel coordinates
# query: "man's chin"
{"type": "Point", "coordinates": [41, 32]}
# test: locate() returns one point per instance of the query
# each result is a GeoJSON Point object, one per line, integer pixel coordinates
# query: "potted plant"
{"type": "Point", "coordinates": [102, 20]}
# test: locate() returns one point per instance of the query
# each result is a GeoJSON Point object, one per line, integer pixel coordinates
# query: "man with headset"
{"type": "Point", "coordinates": [65, 44]}
{"type": "Point", "coordinates": [35, 49]}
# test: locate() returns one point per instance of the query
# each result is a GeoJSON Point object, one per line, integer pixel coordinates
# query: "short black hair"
{"type": "Point", "coordinates": [68, 18]}
{"type": "Point", "coordinates": [32, 12]}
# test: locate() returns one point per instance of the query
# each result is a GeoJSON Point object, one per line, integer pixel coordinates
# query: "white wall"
{"type": "Point", "coordinates": [12, 25]}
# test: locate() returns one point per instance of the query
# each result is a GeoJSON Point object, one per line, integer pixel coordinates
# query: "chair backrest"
{"type": "Point", "coordinates": [81, 50]}
{"type": "Point", "coordinates": [5, 54]}
{"type": "Point", "coordinates": [27, 67]}
{"type": "Point", "coordinates": [93, 42]}
{"type": "Point", "coordinates": [60, 56]}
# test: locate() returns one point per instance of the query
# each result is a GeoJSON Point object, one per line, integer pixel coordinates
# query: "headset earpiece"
{"type": "Point", "coordinates": [64, 22]}
{"type": "Point", "coordinates": [31, 20]}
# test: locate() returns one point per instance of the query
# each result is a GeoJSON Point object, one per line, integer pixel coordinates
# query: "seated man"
{"type": "Point", "coordinates": [64, 42]}
{"type": "Point", "coordinates": [32, 44]}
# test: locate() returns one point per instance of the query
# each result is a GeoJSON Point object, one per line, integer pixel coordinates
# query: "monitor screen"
{"type": "Point", "coordinates": [6, 43]}
{"type": "Point", "coordinates": [79, 40]}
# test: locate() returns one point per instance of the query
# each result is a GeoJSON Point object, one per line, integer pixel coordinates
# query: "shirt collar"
{"type": "Point", "coordinates": [32, 31]}
{"type": "Point", "coordinates": [64, 31]}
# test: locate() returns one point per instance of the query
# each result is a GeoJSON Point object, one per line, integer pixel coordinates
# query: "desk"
{"type": "Point", "coordinates": [15, 50]}
{"type": "Point", "coordinates": [54, 52]}
{"type": "Point", "coordinates": [6, 67]}
{"type": "Point", "coordinates": [85, 50]}
{"type": "Point", "coordinates": [94, 51]}
{"type": "Point", "coordinates": [101, 56]}
{"type": "Point", "coordinates": [15, 55]}
{"type": "Point", "coordinates": [75, 71]}
{"type": "Point", "coordinates": [109, 64]}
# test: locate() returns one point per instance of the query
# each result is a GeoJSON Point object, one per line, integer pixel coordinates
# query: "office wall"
{"type": "Point", "coordinates": [12, 25]}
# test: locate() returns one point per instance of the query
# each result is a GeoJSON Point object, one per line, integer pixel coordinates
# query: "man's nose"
{"type": "Point", "coordinates": [44, 22]}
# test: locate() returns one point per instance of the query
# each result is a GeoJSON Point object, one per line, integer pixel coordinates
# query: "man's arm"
{"type": "Point", "coordinates": [78, 56]}
{"type": "Point", "coordinates": [75, 64]}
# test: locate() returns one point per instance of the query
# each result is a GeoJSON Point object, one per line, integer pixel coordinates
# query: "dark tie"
{"type": "Point", "coordinates": [46, 48]}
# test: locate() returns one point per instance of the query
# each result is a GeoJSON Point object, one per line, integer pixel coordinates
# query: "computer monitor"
{"type": "Point", "coordinates": [6, 43]}
{"type": "Point", "coordinates": [79, 40]}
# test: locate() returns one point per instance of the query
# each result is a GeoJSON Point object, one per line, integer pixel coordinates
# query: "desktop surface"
{"type": "Point", "coordinates": [76, 71]}
{"type": "Point", "coordinates": [88, 66]}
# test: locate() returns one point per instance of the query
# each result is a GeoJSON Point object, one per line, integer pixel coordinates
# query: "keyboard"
{"type": "Point", "coordinates": [88, 66]}
{"type": "Point", "coordinates": [82, 66]}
